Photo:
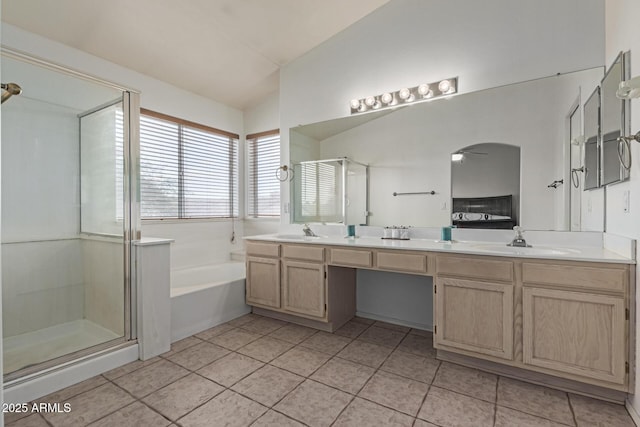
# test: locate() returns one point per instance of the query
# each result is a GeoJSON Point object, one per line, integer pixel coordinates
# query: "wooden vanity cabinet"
{"type": "Point", "coordinates": [473, 301]}
{"type": "Point", "coordinates": [575, 319]}
{"type": "Point", "coordinates": [263, 274]}
{"type": "Point", "coordinates": [304, 287]}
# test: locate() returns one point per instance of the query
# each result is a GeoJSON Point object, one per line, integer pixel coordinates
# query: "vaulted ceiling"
{"type": "Point", "coordinates": [230, 51]}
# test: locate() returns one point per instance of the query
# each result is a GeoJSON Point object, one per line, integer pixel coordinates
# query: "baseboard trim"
{"type": "Point", "coordinates": [632, 411]}
{"type": "Point", "coordinates": [424, 327]}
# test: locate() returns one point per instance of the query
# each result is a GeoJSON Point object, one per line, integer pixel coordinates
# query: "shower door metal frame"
{"type": "Point", "coordinates": [131, 223]}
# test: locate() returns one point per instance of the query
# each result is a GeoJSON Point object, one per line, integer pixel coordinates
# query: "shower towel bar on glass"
{"type": "Point", "coordinates": [414, 193]}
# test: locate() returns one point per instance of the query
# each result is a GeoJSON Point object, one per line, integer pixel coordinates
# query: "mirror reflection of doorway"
{"type": "Point", "coordinates": [485, 186]}
{"type": "Point", "coordinates": [575, 160]}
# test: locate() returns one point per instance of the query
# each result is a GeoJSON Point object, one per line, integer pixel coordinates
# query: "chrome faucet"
{"type": "Point", "coordinates": [518, 241]}
{"type": "Point", "coordinates": [308, 231]}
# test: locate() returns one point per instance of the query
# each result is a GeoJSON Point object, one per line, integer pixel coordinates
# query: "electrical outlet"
{"type": "Point", "coordinates": [286, 207]}
{"type": "Point", "coordinates": [444, 206]}
{"type": "Point", "coordinates": [625, 201]}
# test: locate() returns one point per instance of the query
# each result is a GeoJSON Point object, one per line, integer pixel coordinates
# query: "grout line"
{"type": "Point", "coordinates": [495, 403]}
{"type": "Point", "coordinates": [573, 412]}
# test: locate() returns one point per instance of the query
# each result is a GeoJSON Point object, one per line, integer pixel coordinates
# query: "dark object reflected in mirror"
{"type": "Point", "coordinates": [485, 186]}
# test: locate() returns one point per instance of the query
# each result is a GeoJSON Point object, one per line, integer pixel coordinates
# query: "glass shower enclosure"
{"type": "Point", "coordinates": [67, 222]}
{"type": "Point", "coordinates": [331, 191]}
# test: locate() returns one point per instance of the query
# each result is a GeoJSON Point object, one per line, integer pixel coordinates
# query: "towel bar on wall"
{"type": "Point", "coordinates": [411, 194]}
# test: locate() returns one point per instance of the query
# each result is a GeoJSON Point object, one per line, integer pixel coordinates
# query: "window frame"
{"type": "Point", "coordinates": [251, 166]}
{"type": "Point", "coordinates": [233, 169]}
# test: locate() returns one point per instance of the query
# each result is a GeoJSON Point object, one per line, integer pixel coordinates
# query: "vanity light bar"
{"type": "Point", "coordinates": [407, 95]}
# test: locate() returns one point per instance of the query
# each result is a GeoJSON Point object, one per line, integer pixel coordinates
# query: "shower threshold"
{"type": "Point", "coordinates": [32, 348]}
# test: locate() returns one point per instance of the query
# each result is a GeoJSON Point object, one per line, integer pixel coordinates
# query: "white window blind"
{"type": "Point", "coordinates": [318, 189]}
{"type": "Point", "coordinates": [263, 189]}
{"type": "Point", "coordinates": [186, 171]}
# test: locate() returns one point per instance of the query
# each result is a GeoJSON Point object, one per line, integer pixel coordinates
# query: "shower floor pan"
{"type": "Point", "coordinates": [39, 346]}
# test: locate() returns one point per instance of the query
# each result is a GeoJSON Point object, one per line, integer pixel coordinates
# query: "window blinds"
{"type": "Point", "coordinates": [263, 160]}
{"type": "Point", "coordinates": [186, 172]}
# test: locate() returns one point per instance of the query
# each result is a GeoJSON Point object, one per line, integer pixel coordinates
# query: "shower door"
{"type": "Point", "coordinates": [66, 219]}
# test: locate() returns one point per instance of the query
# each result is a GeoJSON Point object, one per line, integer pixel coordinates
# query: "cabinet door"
{"type": "Point", "coordinates": [474, 316]}
{"type": "Point", "coordinates": [303, 288]}
{"type": "Point", "coordinates": [263, 281]}
{"type": "Point", "coordinates": [574, 332]}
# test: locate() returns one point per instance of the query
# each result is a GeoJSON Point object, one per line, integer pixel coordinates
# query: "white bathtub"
{"type": "Point", "coordinates": [203, 297]}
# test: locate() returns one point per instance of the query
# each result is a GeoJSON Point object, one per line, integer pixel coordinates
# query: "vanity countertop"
{"type": "Point", "coordinates": [583, 253]}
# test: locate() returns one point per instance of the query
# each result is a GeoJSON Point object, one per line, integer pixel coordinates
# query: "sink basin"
{"type": "Point", "coordinates": [525, 251]}
{"type": "Point", "coordinates": [296, 237]}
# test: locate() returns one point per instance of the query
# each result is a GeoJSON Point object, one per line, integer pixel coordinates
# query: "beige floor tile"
{"type": "Point", "coordinates": [344, 375]}
{"type": "Point", "coordinates": [134, 415]}
{"type": "Point", "coordinates": [294, 334]}
{"type": "Point", "coordinates": [129, 367]}
{"type": "Point", "coordinates": [31, 420]}
{"type": "Point", "coordinates": [151, 378]}
{"type": "Point", "coordinates": [421, 423]}
{"type": "Point", "coordinates": [361, 412]}
{"type": "Point", "coordinates": [540, 401]}
{"type": "Point", "coordinates": [12, 417]}
{"type": "Point", "coordinates": [65, 394]}
{"type": "Point", "coordinates": [392, 326]}
{"type": "Point", "coordinates": [226, 409]}
{"type": "Point", "coordinates": [215, 331]}
{"type": "Point", "coordinates": [326, 342]}
{"type": "Point", "coordinates": [275, 419]}
{"type": "Point", "coordinates": [301, 360]}
{"type": "Point", "coordinates": [418, 344]}
{"type": "Point", "coordinates": [230, 369]}
{"type": "Point", "coordinates": [366, 353]}
{"type": "Point", "coordinates": [268, 385]}
{"type": "Point", "coordinates": [395, 392]}
{"type": "Point", "coordinates": [591, 412]}
{"type": "Point", "coordinates": [265, 349]}
{"type": "Point", "coordinates": [183, 344]}
{"type": "Point", "coordinates": [463, 380]}
{"type": "Point", "coordinates": [182, 396]}
{"type": "Point", "coordinates": [263, 326]}
{"type": "Point", "coordinates": [198, 356]}
{"type": "Point", "coordinates": [352, 329]}
{"type": "Point", "coordinates": [382, 336]}
{"type": "Point", "coordinates": [412, 366]}
{"type": "Point", "coordinates": [446, 408]}
{"type": "Point", "coordinates": [506, 417]}
{"type": "Point", "coordinates": [91, 406]}
{"type": "Point", "coordinates": [314, 404]}
{"type": "Point", "coordinates": [243, 320]}
{"type": "Point", "coordinates": [234, 339]}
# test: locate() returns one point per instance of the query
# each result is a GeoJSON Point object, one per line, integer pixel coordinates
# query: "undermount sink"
{"type": "Point", "coordinates": [525, 251]}
{"type": "Point", "coordinates": [296, 237]}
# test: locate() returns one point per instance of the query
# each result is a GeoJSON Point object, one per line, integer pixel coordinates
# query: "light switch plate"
{"type": "Point", "coordinates": [625, 201]}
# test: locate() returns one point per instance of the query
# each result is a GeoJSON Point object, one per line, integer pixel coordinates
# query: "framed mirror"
{"type": "Point", "coordinates": [613, 120]}
{"type": "Point", "coordinates": [591, 114]}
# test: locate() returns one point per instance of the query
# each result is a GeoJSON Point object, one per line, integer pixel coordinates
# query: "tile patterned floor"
{"type": "Point", "coordinates": [264, 372]}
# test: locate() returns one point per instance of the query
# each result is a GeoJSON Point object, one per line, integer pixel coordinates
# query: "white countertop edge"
{"type": "Point", "coordinates": [150, 241]}
{"type": "Point", "coordinates": [592, 254]}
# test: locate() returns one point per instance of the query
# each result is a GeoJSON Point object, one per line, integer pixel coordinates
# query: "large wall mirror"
{"type": "Point", "coordinates": [409, 149]}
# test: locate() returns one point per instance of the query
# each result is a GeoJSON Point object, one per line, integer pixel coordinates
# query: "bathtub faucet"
{"type": "Point", "coordinates": [308, 231]}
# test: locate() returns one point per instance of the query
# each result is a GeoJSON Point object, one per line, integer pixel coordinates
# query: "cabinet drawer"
{"type": "Point", "coordinates": [475, 268]}
{"type": "Point", "coordinates": [406, 262]}
{"type": "Point", "coordinates": [263, 249]}
{"type": "Point", "coordinates": [304, 252]}
{"type": "Point", "coordinates": [351, 257]}
{"type": "Point", "coordinates": [571, 275]}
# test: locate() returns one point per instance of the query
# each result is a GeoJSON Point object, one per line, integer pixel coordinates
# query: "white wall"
{"type": "Point", "coordinates": [622, 34]}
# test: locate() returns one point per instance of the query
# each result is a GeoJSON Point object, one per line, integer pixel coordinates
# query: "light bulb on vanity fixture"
{"type": "Point", "coordinates": [406, 95]}
{"type": "Point", "coordinates": [629, 89]}
{"type": "Point", "coordinates": [457, 157]}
